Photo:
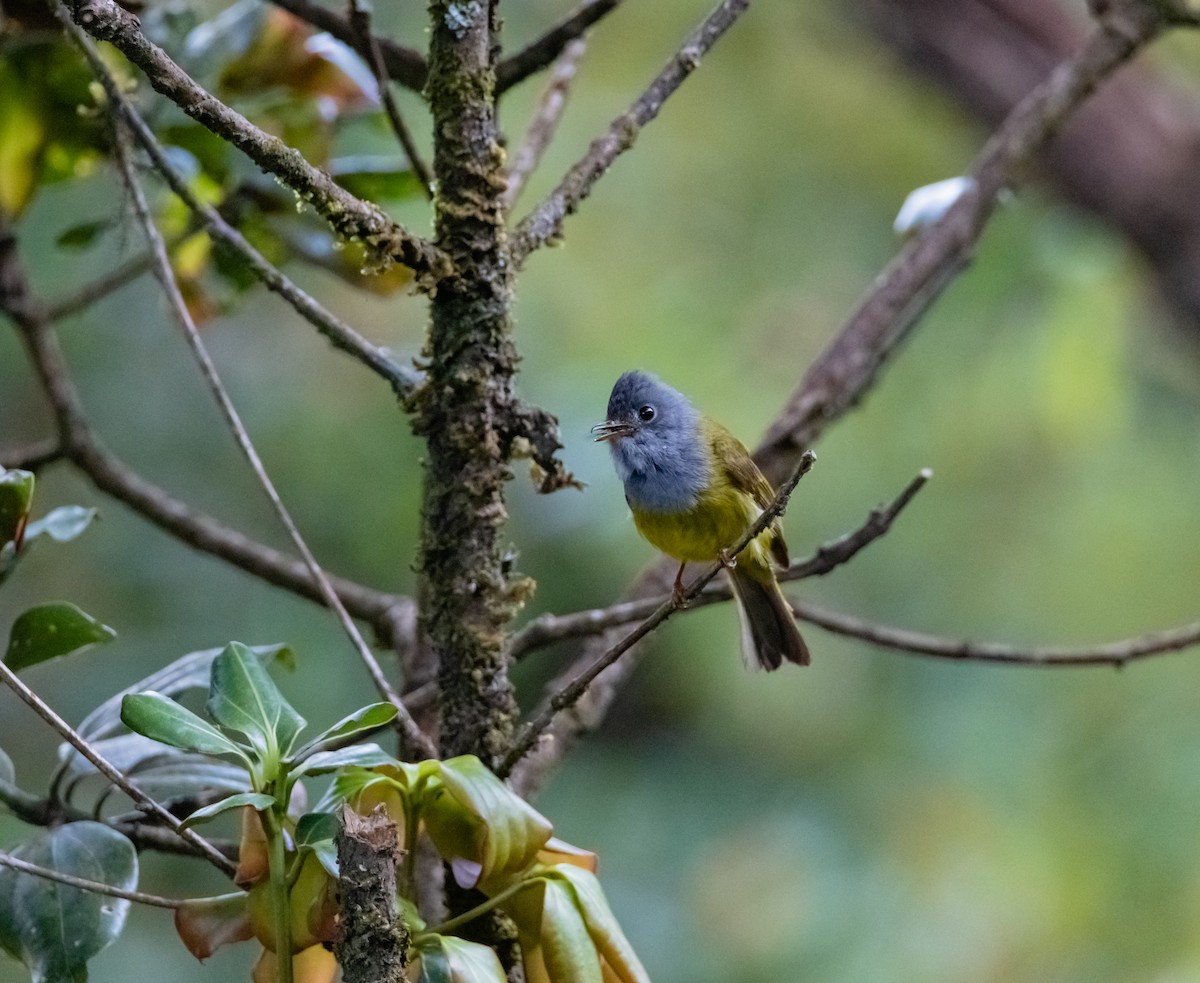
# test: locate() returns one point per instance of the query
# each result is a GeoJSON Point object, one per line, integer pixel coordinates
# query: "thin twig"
{"type": "Point", "coordinates": [89, 293]}
{"type": "Point", "coordinates": [550, 628]}
{"type": "Point", "coordinates": [1117, 654]}
{"type": "Point", "coordinates": [406, 65]}
{"type": "Point", "coordinates": [544, 223]}
{"type": "Point", "coordinates": [411, 734]}
{"type": "Point", "coordinates": [349, 216]}
{"type": "Point", "coordinates": [360, 21]}
{"type": "Point", "coordinates": [96, 887]}
{"type": "Point", "coordinates": [72, 737]}
{"type": "Point", "coordinates": [543, 50]}
{"type": "Point", "coordinates": [404, 381]}
{"type": "Point", "coordinates": [544, 123]}
{"type": "Point", "coordinates": [570, 694]}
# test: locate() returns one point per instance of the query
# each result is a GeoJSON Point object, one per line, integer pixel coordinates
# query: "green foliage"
{"type": "Point", "coordinates": [55, 929]}
{"type": "Point", "coordinates": [16, 499]}
{"type": "Point", "coordinates": [52, 630]}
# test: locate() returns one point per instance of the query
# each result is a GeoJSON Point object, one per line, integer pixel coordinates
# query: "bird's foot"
{"type": "Point", "coordinates": [727, 561]}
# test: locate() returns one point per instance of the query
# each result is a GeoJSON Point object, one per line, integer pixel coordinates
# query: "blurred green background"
{"type": "Point", "coordinates": [875, 817]}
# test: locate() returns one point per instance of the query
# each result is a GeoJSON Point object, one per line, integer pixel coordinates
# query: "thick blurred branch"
{"type": "Point", "coordinates": [850, 365]}
{"type": "Point", "coordinates": [544, 224]}
{"type": "Point", "coordinates": [349, 216]}
{"type": "Point", "coordinates": [544, 50]}
{"type": "Point", "coordinates": [1130, 156]}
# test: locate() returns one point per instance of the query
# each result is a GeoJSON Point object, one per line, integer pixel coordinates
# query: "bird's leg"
{"type": "Point", "coordinates": [677, 591]}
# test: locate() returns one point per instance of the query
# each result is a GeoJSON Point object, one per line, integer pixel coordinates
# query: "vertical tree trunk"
{"type": "Point", "coordinates": [464, 409]}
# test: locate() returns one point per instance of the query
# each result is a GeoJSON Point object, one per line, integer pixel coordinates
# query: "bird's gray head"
{"type": "Point", "coordinates": [656, 443]}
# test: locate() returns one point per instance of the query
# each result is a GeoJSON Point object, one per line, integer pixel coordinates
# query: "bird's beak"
{"type": "Point", "coordinates": [610, 430]}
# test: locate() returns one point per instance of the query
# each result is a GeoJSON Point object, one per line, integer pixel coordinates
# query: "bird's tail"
{"type": "Point", "coordinates": [769, 632]}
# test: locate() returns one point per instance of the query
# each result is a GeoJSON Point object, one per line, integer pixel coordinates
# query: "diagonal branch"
{"type": "Point", "coordinates": [349, 216]}
{"type": "Point", "coordinates": [542, 51]}
{"type": "Point", "coordinates": [544, 124]}
{"type": "Point", "coordinates": [573, 691]}
{"type": "Point", "coordinates": [89, 293]}
{"type": "Point", "coordinates": [403, 380]}
{"type": "Point", "coordinates": [114, 775]}
{"type": "Point", "coordinates": [550, 628]}
{"type": "Point", "coordinates": [369, 45]}
{"type": "Point", "coordinates": [413, 739]}
{"type": "Point", "coordinates": [96, 887]}
{"type": "Point", "coordinates": [406, 65]}
{"type": "Point", "coordinates": [32, 456]}
{"type": "Point", "coordinates": [544, 224]}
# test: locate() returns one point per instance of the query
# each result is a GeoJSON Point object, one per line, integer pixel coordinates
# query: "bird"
{"type": "Point", "coordinates": [693, 489]}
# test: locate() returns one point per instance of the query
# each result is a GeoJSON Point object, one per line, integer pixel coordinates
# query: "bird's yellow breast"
{"type": "Point", "coordinates": [698, 534]}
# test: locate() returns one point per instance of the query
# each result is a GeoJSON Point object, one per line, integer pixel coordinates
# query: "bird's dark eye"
{"type": "Point", "coordinates": [646, 413]}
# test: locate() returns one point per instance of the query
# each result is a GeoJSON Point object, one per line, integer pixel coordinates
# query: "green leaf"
{"type": "Point", "coordinates": [357, 756]}
{"type": "Point", "coordinates": [164, 720]}
{"type": "Point", "coordinates": [567, 947]}
{"type": "Point", "coordinates": [313, 827]}
{"type": "Point", "coordinates": [360, 723]}
{"type": "Point", "coordinates": [83, 235]}
{"type": "Point", "coordinates": [62, 524]}
{"type": "Point", "coordinates": [191, 671]}
{"type": "Point", "coordinates": [602, 923]}
{"type": "Point", "coordinates": [7, 772]}
{"type": "Point", "coordinates": [243, 698]}
{"type": "Point", "coordinates": [375, 178]}
{"type": "Point", "coordinates": [256, 800]}
{"type": "Point", "coordinates": [16, 496]}
{"type": "Point", "coordinates": [446, 959]}
{"type": "Point", "coordinates": [51, 630]}
{"type": "Point", "coordinates": [39, 915]}
{"type": "Point", "coordinates": [473, 803]}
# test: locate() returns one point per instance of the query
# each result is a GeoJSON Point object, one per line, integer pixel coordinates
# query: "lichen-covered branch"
{"type": "Point", "coordinates": [465, 409]}
{"type": "Point", "coordinates": [372, 943]}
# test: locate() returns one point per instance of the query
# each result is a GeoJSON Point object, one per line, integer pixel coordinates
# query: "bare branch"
{"type": "Point", "coordinates": [360, 21]}
{"type": "Point", "coordinates": [572, 692]}
{"type": "Point", "coordinates": [544, 123]}
{"type": "Point", "coordinates": [72, 737]}
{"type": "Point", "coordinates": [544, 50]}
{"type": "Point", "coordinates": [349, 216]}
{"type": "Point", "coordinates": [406, 65]}
{"type": "Point", "coordinates": [403, 380]}
{"type": "Point", "coordinates": [550, 628]}
{"type": "Point", "coordinates": [1115, 654]}
{"type": "Point", "coordinates": [96, 887]}
{"type": "Point", "coordinates": [89, 293]}
{"type": "Point", "coordinates": [413, 739]}
{"type": "Point", "coordinates": [911, 282]}
{"type": "Point", "coordinates": [544, 223]}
